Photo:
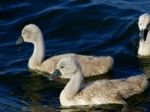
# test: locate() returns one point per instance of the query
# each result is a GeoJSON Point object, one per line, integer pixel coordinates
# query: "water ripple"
{"type": "Point", "coordinates": [91, 27]}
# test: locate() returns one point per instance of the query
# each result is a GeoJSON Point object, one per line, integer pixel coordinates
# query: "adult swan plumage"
{"type": "Point", "coordinates": [91, 65]}
{"type": "Point", "coordinates": [144, 27]}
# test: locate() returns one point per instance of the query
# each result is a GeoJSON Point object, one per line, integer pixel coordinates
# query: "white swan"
{"type": "Point", "coordinates": [144, 27]}
{"type": "Point", "coordinates": [91, 65]}
{"type": "Point", "coordinates": [97, 92]}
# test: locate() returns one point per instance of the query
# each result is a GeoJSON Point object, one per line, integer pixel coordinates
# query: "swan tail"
{"type": "Point", "coordinates": [135, 85]}
{"type": "Point", "coordinates": [107, 63]}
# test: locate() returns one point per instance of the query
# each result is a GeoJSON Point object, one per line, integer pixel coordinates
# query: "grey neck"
{"type": "Point", "coordinates": [38, 53]}
{"type": "Point", "coordinates": [73, 86]}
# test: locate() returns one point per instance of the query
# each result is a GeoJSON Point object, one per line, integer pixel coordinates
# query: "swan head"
{"type": "Point", "coordinates": [144, 25]}
{"type": "Point", "coordinates": [29, 34]}
{"type": "Point", "coordinates": [144, 21]}
{"type": "Point", "coordinates": [66, 68]}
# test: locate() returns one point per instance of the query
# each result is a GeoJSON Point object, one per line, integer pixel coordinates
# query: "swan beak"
{"type": "Point", "coordinates": [54, 75]}
{"type": "Point", "coordinates": [141, 34]}
{"type": "Point", "coordinates": [20, 40]}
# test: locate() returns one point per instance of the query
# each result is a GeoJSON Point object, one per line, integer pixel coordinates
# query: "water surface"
{"type": "Point", "coordinates": [91, 27]}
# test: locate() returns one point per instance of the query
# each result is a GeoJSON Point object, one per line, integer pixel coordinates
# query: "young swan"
{"type": "Point", "coordinates": [97, 92]}
{"type": "Point", "coordinates": [91, 65]}
{"type": "Point", "coordinates": [144, 27]}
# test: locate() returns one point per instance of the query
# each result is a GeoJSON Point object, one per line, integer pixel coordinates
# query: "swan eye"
{"type": "Point", "coordinates": [23, 33]}
{"type": "Point", "coordinates": [61, 66]}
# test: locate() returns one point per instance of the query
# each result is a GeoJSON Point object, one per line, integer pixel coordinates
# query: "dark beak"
{"type": "Point", "coordinates": [20, 40]}
{"type": "Point", "coordinates": [141, 34]}
{"type": "Point", "coordinates": [55, 74]}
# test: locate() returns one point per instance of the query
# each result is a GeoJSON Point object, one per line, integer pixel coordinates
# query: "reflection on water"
{"type": "Point", "coordinates": [38, 94]}
{"type": "Point", "coordinates": [35, 93]}
{"type": "Point", "coordinates": [145, 65]}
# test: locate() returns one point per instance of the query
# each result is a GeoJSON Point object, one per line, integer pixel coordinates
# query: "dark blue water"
{"type": "Point", "coordinates": [91, 27]}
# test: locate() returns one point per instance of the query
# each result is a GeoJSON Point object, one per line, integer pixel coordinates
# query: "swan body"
{"type": "Point", "coordinates": [144, 27]}
{"type": "Point", "coordinates": [91, 65]}
{"type": "Point", "coordinates": [97, 92]}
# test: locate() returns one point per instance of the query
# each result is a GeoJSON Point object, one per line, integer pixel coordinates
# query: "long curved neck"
{"type": "Point", "coordinates": [73, 86]}
{"type": "Point", "coordinates": [38, 53]}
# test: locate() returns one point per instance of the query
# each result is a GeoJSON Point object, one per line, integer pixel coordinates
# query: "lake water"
{"type": "Point", "coordinates": [91, 27]}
